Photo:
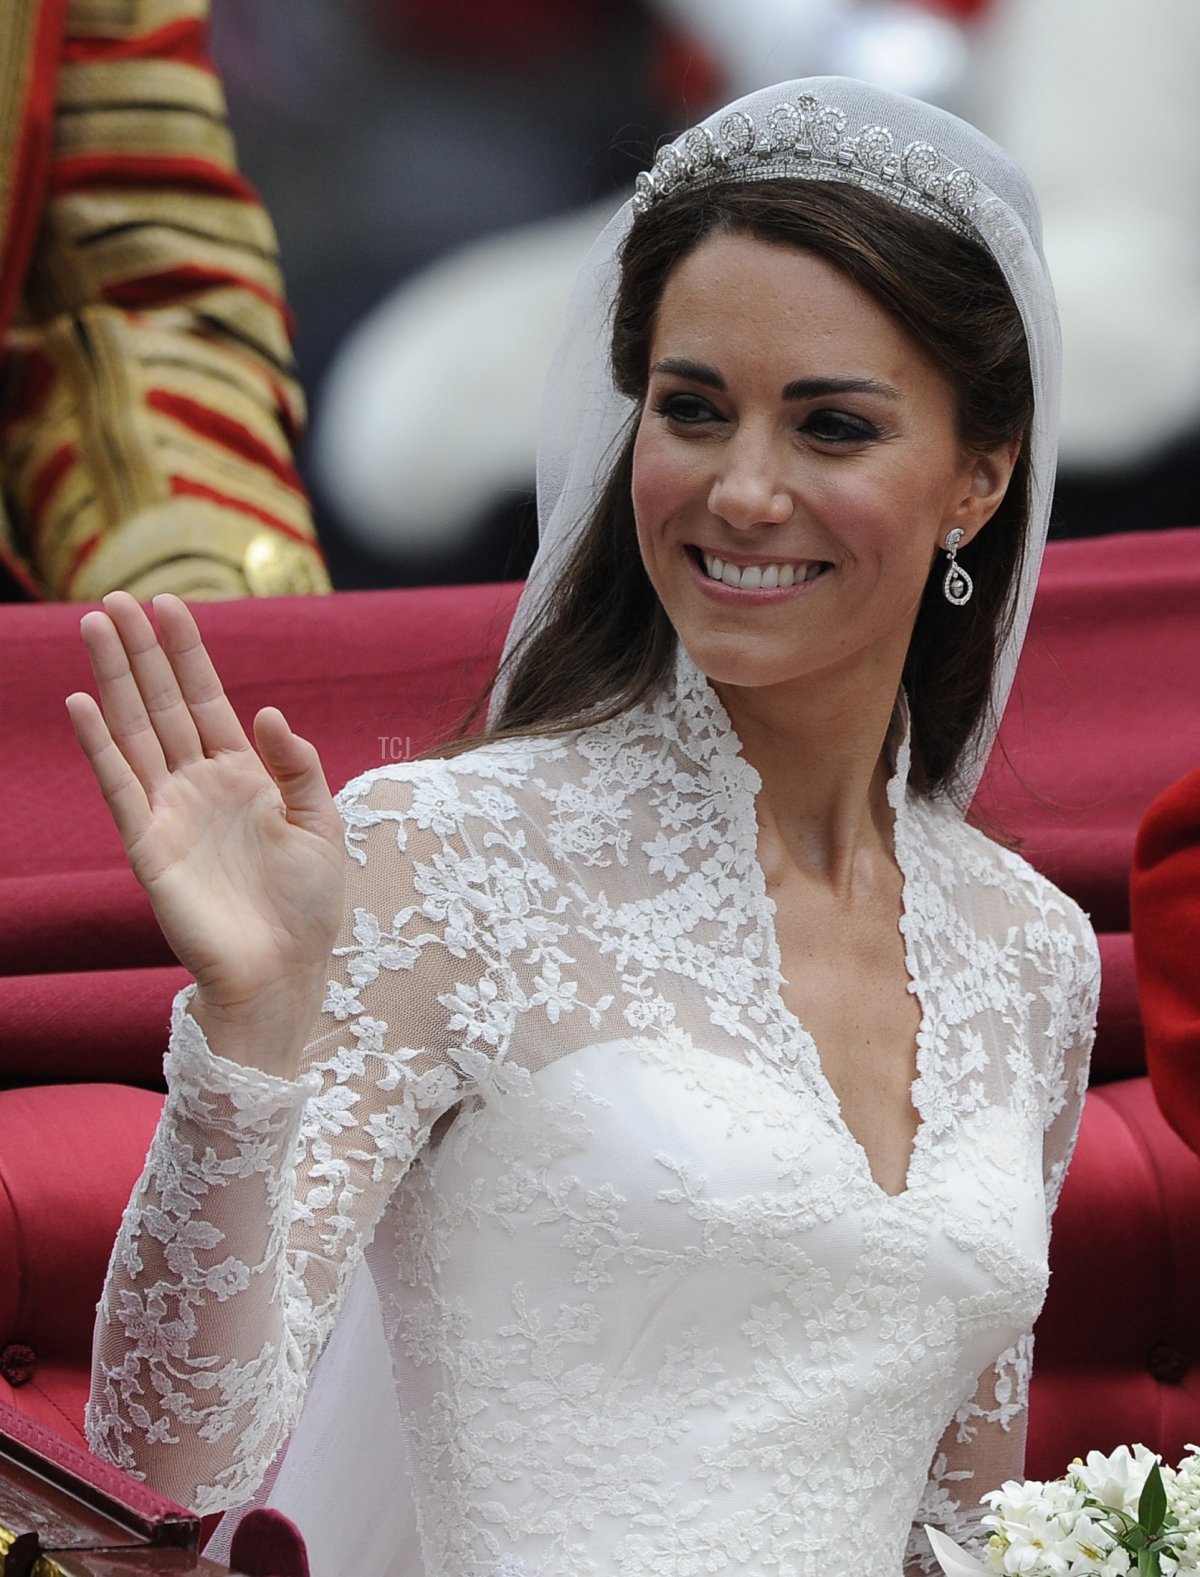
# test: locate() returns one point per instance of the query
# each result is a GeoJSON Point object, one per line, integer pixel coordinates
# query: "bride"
{"type": "Point", "coordinates": [662, 1101]}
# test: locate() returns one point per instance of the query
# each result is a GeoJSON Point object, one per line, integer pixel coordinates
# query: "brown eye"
{"type": "Point", "coordinates": [689, 410]}
{"type": "Point", "coordinates": [839, 427]}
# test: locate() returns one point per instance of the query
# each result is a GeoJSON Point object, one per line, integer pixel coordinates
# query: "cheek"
{"type": "Point", "coordinates": [894, 513]}
{"type": "Point", "coordinates": [663, 483]}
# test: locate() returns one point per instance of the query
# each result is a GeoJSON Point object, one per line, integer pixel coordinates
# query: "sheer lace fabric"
{"type": "Point", "coordinates": [641, 1307]}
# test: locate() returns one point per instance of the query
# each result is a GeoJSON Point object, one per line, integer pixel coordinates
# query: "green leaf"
{"type": "Point", "coordinates": [1152, 1507]}
{"type": "Point", "coordinates": [1148, 1565]}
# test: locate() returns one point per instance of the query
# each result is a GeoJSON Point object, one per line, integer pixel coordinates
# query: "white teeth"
{"type": "Point", "coordinates": [755, 577]}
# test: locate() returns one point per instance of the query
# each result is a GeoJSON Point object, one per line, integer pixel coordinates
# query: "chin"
{"type": "Point", "coordinates": [730, 663]}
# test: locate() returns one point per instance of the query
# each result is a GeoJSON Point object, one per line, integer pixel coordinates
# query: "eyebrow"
{"type": "Point", "coordinates": [798, 389]}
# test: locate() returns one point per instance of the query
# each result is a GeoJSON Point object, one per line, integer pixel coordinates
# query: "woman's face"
{"type": "Point", "coordinates": [795, 469]}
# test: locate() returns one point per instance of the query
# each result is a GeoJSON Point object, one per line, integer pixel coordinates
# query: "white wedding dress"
{"type": "Point", "coordinates": [632, 1303]}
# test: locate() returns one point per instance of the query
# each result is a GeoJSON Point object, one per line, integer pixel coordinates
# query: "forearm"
{"type": "Point", "coordinates": [982, 1447]}
{"type": "Point", "coordinates": [203, 1336]}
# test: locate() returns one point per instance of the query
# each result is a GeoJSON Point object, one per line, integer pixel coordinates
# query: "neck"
{"type": "Point", "coordinates": [820, 753]}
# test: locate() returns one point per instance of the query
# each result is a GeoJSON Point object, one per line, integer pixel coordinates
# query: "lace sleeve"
{"type": "Point", "coordinates": [984, 1443]}
{"type": "Point", "coordinates": [259, 1194]}
{"type": "Point", "coordinates": [983, 1446]}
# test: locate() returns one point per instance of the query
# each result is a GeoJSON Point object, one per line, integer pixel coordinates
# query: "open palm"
{"type": "Point", "coordinates": [240, 850]}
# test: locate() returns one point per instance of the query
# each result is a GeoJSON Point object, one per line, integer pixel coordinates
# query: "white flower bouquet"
{"type": "Point", "coordinates": [1110, 1516]}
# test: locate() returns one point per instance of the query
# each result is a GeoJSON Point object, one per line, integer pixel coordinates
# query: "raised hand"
{"type": "Point", "coordinates": [240, 851]}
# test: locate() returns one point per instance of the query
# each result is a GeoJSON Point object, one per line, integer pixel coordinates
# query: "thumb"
{"type": "Point", "coordinates": [296, 768]}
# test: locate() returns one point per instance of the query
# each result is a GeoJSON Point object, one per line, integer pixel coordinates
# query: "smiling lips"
{"type": "Point", "coordinates": [759, 577]}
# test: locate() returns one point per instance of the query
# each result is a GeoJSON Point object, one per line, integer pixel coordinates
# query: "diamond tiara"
{"type": "Point", "coordinates": [803, 137]}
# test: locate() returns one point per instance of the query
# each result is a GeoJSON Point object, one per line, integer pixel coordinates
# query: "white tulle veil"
{"type": "Point", "coordinates": [823, 128]}
{"type": "Point", "coordinates": [342, 1476]}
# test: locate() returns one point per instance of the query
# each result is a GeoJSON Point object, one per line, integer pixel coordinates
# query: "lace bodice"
{"type": "Point", "coordinates": [637, 1304]}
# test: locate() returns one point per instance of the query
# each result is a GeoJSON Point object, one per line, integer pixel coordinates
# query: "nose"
{"type": "Point", "coordinates": [749, 488]}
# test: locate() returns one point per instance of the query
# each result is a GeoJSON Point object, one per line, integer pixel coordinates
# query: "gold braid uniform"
{"type": "Point", "coordinates": [148, 399]}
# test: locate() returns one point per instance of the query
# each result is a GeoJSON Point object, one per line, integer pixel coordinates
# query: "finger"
{"type": "Point", "coordinates": [165, 708]}
{"type": "Point", "coordinates": [296, 767]}
{"type": "Point", "coordinates": [125, 714]}
{"type": "Point", "coordinates": [215, 720]}
{"type": "Point", "coordinates": [123, 794]}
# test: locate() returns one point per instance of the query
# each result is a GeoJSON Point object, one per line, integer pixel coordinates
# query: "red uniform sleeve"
{"type": "Point", "coordinates": [150, 403]}
{"type": "Point", "coordinates": [1166, 937]}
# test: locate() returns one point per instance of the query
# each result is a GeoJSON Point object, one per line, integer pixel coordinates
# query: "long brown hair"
{"type": "Point", "coordinates": [603, 641]}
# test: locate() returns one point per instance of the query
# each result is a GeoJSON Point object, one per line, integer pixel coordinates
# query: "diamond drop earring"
{"type": "Point", "coordinates": [958, 587]}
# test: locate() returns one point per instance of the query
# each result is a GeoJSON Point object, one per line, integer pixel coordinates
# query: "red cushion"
{"type": "Point", "coordinates": [1166, 917]}
{"type": "Point", "coordinates": [100, 1024]}
{"type": "Point", "coordinates": [1119, 1052]}
{"type": "Point", "coordinates": [1118, 1344]}
{"type": "Point", "coordinates": [77, 919]}
{"type": "Point", "coordinates": [268, 1544]}
{"type": "Point", "coordinates": [69, 1159]}
{"type": "Point", "coordinates": [1103, 716]}
{"type": "Point", "coordinates": [55, 1397]}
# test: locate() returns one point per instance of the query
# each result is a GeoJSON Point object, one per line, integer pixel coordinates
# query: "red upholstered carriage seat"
{"type": "Point", "coordinates": [1104, 717]}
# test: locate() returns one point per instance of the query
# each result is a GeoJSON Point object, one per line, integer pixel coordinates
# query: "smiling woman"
{"type": "Point", "coordinates": [843, 483]}
{"type": "Point", "coordinates": [830, 254]}
{"type": "Point", "coordinates": [653, 1174]}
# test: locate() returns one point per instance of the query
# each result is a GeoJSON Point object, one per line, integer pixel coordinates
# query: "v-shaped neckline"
{"type": "Point", "coordinates": [745, 784]}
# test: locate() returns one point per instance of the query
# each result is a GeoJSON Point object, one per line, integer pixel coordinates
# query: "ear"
{"type": "Point", "coordinates": [986, 476]}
